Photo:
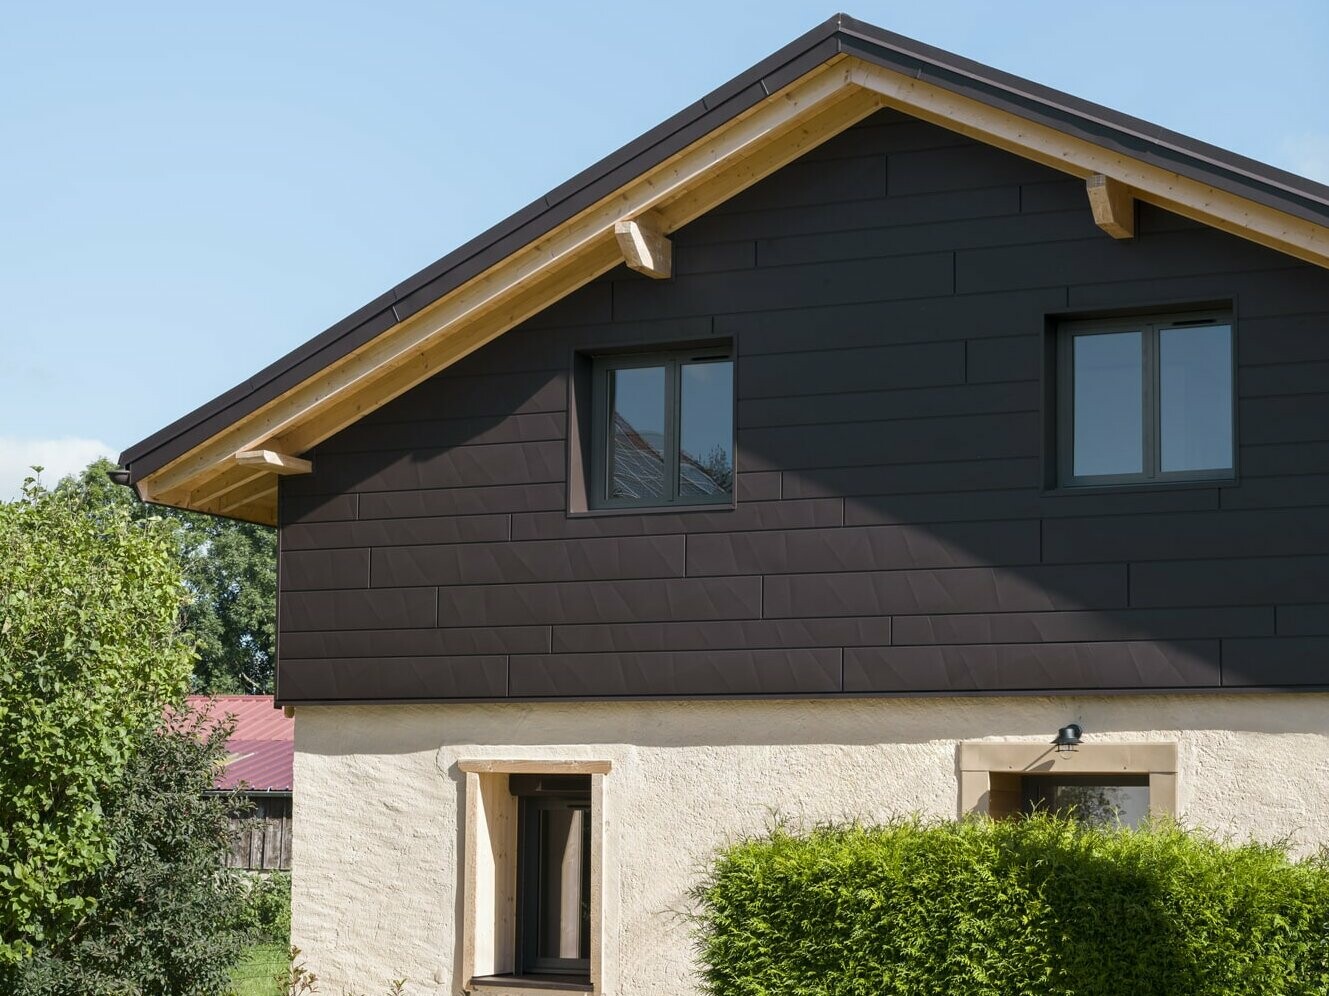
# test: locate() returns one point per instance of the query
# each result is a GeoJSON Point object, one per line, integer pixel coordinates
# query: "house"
{"type": "Point", "coordinates": [829, 450]}
{"type": "Point", "coordinates": [261, 754]}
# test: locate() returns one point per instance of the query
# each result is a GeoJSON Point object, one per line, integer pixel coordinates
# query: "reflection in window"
{"type": "Point", "coordinates": [664, 429]}
{"type": "Point", "coordinates": [1109, 391]}
{"type": "Point", "coordinates": [706, 436]}
{"type": "Point", "coordinates": [637, 443]}
{"type": "Point", "coordinates": [1094, 800]}
{"type": "Point", "coordinates": [1195, 388]}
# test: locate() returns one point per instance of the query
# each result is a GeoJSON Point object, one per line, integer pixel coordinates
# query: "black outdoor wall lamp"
{"type": "Point", "coordinates": [1068, 738]}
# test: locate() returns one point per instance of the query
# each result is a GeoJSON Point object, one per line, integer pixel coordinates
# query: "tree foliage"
{"type": "Point", "coordinates": [90, 649]}
{"type": "Point", "coordinates": [165, 921]}
{"type": "Point", "coordinates": [230, 569]}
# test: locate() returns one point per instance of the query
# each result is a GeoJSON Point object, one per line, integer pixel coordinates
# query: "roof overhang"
{"type": "Point", "coordinates": [227, 457]}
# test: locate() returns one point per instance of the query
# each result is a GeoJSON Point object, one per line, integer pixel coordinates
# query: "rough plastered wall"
{"type": "Point", "coordinates": [377, 838]}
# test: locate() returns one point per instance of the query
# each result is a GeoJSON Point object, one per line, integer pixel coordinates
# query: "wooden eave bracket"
{"type": "Point", "coordinates": [645, 246]}
{"type": "Point", "coordinates": [1113, 206]}
{"type": "Point", "coordinates": [273, 462]}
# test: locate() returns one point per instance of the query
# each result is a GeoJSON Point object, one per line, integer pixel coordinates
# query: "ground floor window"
{"type": "Point", "coordinates": [1104, 783]}
{"type": "Point", "coordinates": [533, 839]}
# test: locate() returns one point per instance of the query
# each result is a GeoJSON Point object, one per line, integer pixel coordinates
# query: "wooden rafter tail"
{"type": "Point", "coordinates": [274, 462]}
{"type": "Point", "coordinates": [645, 246]}
{"type": "Point", "coordinates": [1112, 205]}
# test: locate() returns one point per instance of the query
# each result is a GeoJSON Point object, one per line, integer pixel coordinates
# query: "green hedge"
{"type": "Point", "coordinates": [1042, 906]}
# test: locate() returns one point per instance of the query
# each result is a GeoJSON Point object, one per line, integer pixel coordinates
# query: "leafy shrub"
{"type": "Point", "coordinates": [1040, 906]}
{"type": "Point", "coordinates": [160, 923]}
{"type": "Point", "coordinates": [89, 652]}
{"type": "Point", "coordinates": [265, 915]}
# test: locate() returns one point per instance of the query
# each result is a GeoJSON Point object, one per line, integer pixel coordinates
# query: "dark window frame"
{"type": "Point", "coordinates": [1150, 327]}
{"type": "Point", "coordinates": [538, 794]}
{"type": "Point", "coordinates": [673, 360]}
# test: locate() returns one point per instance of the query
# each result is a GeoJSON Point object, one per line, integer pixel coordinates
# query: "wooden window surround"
{"type": "Point", "coordinates": [991, 773]}
{"type": "Point", "coordinates": [489, 869]}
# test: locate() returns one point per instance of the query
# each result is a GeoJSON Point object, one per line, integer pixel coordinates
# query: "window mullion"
{"type": "Point", "coordinates": [673, 414]}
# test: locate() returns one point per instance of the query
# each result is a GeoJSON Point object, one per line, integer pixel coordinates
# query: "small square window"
{"type": "Point", "coordinates": [663, 429]}
{"type": "Point", "coordinates": [1145, 400]}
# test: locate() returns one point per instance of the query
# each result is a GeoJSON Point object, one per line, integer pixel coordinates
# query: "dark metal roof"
{"type": "Point", "coordinates": [1139, 139]}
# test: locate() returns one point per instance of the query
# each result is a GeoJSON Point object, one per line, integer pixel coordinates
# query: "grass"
{"type": "Point", "coordinates": [254, 975]}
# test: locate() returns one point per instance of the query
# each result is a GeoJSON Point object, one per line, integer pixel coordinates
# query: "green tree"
{"type": "Point", "coordinates": [230, 569]}
{"type": "Point", "coordinates": [90, 649]}
{"type": "Point", "coordinates": [164, 921]}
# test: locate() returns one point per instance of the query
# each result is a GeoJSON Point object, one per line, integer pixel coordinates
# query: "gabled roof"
{"type": "Point", "coordinates": [261, 752]}
{"type": "Point", "coordinates": [225, 456]}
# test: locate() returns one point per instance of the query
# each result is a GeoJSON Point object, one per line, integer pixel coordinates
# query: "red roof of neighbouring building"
{"type": "Point", "coordinates": [262, 749]}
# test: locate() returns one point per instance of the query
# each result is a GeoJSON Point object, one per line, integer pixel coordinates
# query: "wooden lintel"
{"type": "Point", "coordinates": [1113, 206]}
{"type": "Point", "coordinates": [276, 463]}
{"type": "Point", "coordinates": [645, 246]}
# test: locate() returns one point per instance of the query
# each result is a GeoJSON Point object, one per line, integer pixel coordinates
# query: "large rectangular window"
{"type": "Point", "coordinates": [663, 429]}
{"type": "Point", "coordinates": [1144, 400]}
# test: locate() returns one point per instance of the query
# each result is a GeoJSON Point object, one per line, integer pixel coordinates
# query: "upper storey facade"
{"type": "Point", "coordinates": [874, 372]}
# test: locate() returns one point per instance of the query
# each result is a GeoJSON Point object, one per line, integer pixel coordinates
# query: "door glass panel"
{"type": "Point", "coordinates": [565, 878]}
{"type": "Point", "coordinates": [1109, 404]}
{"type": "Point", "coordinates": [637, 433]}
{"type": "Point", "coordinates": [1195, 403]}
{"type": "Point", "coordinates": [706, 433]}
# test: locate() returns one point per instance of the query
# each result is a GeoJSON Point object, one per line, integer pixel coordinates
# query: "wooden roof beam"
{"type": "Point", "coordinates": [274, 462]}
{"type": "Point", "coordinates": [1113, 206]}
{"type": "Point", "coordinates": [645, 246]}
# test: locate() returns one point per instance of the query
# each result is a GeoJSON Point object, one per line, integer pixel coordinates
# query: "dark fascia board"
{"type": "Point", "coordinates": [1103, 126]}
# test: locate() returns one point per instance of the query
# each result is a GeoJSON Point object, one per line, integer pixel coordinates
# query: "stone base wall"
{"type": "Point", "coordinates": [378, 834]}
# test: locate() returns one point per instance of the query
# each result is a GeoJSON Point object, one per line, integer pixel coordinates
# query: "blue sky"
{"type": "Point", "coordinates": [187, 191]}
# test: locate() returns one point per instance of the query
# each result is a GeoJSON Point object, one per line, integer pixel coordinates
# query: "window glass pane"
{"type": "Point", "coordinates": [565, 895]}
{"type": "Point", "coordinates": [1195, 404]}
{"type": "Point", "coordinates": [1108, 395]}
{"type": "Point", "coordinates": [1102, 805]}
{"type": "Point", "coordinates": [637, 433]}
{"type": "Point", "coordinates": [706, 432]}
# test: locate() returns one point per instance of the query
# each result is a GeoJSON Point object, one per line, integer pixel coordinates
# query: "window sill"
{"type": "Point", "coordinates": [522, 985]}
{"type": "Point", "coordinates": [595, 513]}
{"type": "Point", "coordinates": [1136, 487]}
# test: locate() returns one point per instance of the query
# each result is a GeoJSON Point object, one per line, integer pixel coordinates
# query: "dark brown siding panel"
{"type": "Point", "coordinates": [729, 635]}
{"type": "Point", "coordinates": [894, 524]}
{"type": "Point", "coordinates": [310, 569]}
{"type": "Point", "coordinates": [1253, 581]}
{"type": "Point", "coordinates": [601, 601]}
{"type": "Point", "coordinates": [1265, 663]}
{"type": "Point", "coordinates": [960, 590]}
{"type": "Point", "coordinates": [461, 501]}
{"type": "Point", "coordinates": [553, 560]}
{"type": "Point", "coordinates": [1033, 667]}
{"type": "Point", "coordinates": [333, 610]}
{"type": "Point", "coordinates": [396, 532]}
{"type": "Point", "coordinates": [864, 548]}
{"type": "Point", "coordinates": [1082, 627]}
{"type": "Point", "coordinates": [395, 678]}
{"type": "Point", "coordinates": [736, 672]}
{"type": "Point", "coordinates": [1303, 620]}
{"type": "Point", "coordinates": [461, 641]}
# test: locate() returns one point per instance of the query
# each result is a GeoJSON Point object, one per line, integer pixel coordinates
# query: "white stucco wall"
{"type": "Point", "coordinates": [377, 838]}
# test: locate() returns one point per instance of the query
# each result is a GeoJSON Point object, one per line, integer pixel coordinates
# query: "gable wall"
{"type": "Point", "coordinates": [888, 297]}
